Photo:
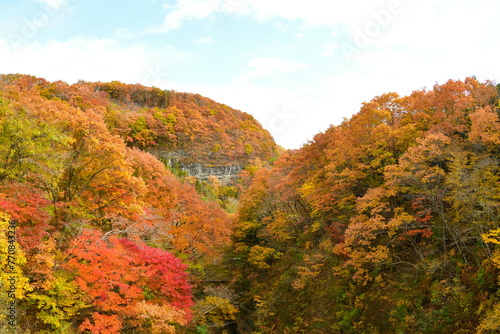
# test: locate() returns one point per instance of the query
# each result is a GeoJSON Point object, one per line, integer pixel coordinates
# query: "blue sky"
{"type": "Point", "coordinates": [297, 66]}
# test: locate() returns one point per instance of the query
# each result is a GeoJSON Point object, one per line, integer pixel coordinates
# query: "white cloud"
{"type": "Point", "coordinates": [413, 19]}
{"type": "Point", "coordinates": [124, 33]}
{"type": "Point", "coordinates": [183, 10]}
{"type": "Point", "coordinates": [206, 40]}
{"type": "Point", "coordinates": [266, 66]}
{"type": "Point", "coordinates": [90, 59]}
{"type": "Point", "coordinates": [329, 49]}
{"type": "Point", "coordinates": [312, 13]}
{"type": "Point", "coordinates": [53, 4]}
{"type": "Point", "coordinates": [432, 26]}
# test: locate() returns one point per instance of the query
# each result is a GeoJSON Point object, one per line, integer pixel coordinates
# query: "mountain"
{"type": "Point", "coordinates": [386, 223]}
{"type": "Point", "coordinates": [186, 130]}
{"type": "Point", "coordinates": [98, 234]}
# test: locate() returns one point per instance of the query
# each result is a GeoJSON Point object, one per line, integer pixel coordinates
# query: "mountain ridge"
{"type": "Point", "coordinates": [183, 127]}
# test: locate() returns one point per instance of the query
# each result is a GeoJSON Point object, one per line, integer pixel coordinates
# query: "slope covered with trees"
{"type": "Point", "coordinates": [189, 127]}
{"type": "Point", "coordinates": [386, 223]}
{"type": "Point", "coordinates": [97, 235]}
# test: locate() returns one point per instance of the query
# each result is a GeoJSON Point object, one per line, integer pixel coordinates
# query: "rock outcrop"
{"type": "Point", "coordinates": [225, 174]}
{"type": "Point", "coordinates": [174, 160]}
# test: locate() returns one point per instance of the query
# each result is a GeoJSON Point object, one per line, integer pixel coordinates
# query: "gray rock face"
{"type": "Point", "coordinates": [202, 172]}
{"type": "Point", "coordinates": [225, 174]}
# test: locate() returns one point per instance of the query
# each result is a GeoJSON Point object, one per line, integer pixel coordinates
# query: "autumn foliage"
{"type": "Point", "coordinates": [102, 224]}
{"type": "Point", "coordinates": [386, 223]}
{"type": "Point", "coordinates": [123, 279]}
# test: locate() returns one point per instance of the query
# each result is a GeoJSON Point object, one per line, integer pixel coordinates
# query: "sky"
{"type": "Point", "coordinates": [296, 66]}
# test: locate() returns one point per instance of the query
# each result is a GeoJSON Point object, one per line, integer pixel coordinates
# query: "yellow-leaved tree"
{"type": "Point", "coordinates": [13, 283]}
{"type": "Point", "coordinates": [491, 320]}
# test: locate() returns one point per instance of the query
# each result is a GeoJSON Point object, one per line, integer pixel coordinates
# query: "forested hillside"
{"type": "Point", "coordinates": [98, 235]}
{"type": "Point", "coordinates": [386, 223]}
{"type": "Point", "coordinates": [188, 127]}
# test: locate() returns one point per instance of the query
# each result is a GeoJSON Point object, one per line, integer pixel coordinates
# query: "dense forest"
{"type": "Point", "coordinates": [386, 223]}
{"type": "Point", "coordinates": [98, 235]}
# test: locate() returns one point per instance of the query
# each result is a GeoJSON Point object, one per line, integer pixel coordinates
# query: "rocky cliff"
{"type": "Point", "coordinates": [225, 174]}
